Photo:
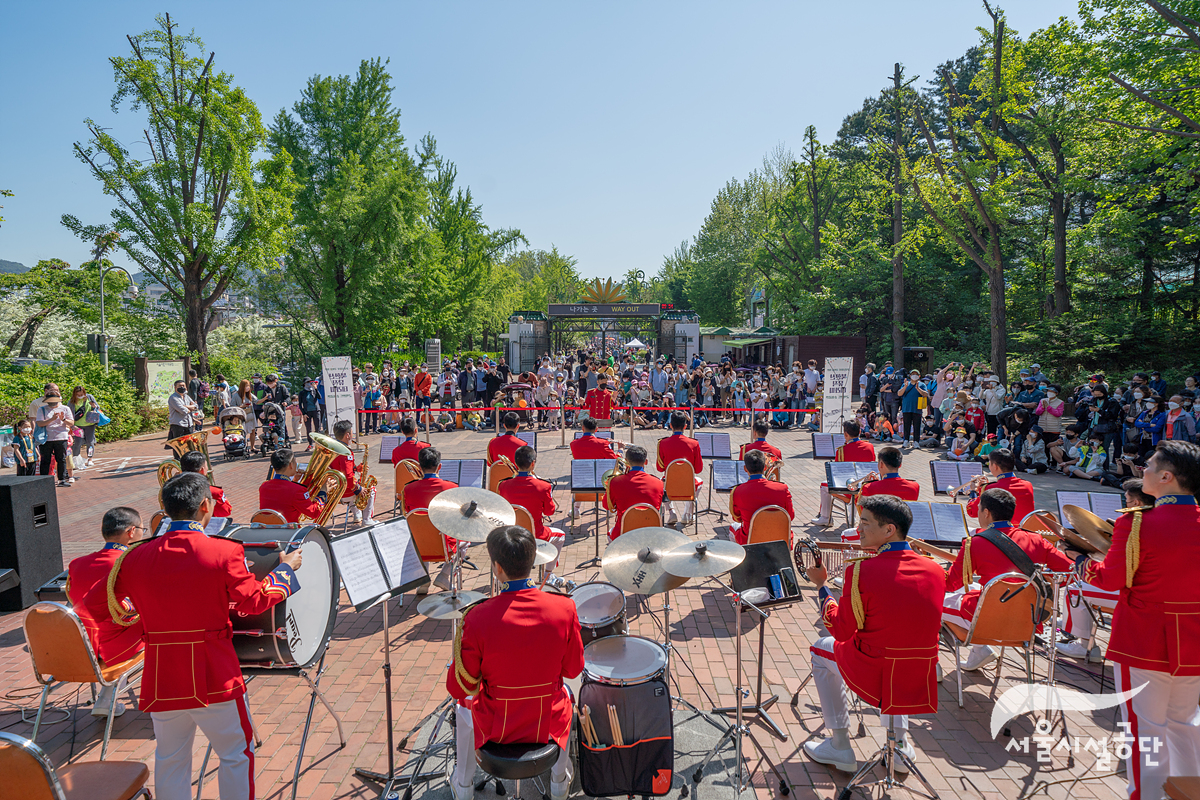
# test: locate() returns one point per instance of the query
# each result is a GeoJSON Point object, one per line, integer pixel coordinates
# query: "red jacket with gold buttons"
{"type": "Point", "coordinates": [532, 494]}
{"type": "Point", "coordinates": [635, 486]}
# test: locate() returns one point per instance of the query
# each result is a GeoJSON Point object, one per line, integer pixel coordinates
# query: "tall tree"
{"type": "Point", "coordinates": [52, 288]}
{"type": "Point", "coordinates": [200, 210]}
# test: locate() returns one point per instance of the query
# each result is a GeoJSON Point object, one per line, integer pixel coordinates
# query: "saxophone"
{"type": "Point", "coordinates": [366, 480]}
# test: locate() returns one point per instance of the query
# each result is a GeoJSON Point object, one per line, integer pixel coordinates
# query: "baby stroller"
{"type": "Point", "coordinates": [273, 430]}
{"type": "Point", "coordinates": [233, 433]}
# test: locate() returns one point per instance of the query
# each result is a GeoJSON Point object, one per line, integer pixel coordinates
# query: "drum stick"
{"type": "Point", "coordinates": [618, 739]}
{"type": "Point", "coordinates": [589, 731]}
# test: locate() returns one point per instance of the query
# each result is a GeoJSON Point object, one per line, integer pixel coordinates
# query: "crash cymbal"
{"type": "Point", "coordinates": [703, 559]}
{"type": "Point", "coordinates": [470, 514]}
{"type": "Point", "coordinates": [447, 605]}
{"type": "Point", "coordinates": [1091, 534]}
{"type": "Point", "coordinates": [546, 553]}
{"type": "Point", "coordinates": [633, 561]}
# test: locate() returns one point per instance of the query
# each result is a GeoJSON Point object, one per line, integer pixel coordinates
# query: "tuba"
{"type": "Point", "coordinates": [318, 477]}
{"type": "Point", "coordinates": [366, 480]}
{"type": "Point", "coordinates": [189, 442]}
{"type": "Point", "coordinates": [620, 468]}
{"type": "Point", "coordinates": [773, 468]}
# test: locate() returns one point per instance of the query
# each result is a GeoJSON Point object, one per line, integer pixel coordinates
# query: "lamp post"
{"type": "Point", "coordinates": [103, 335]}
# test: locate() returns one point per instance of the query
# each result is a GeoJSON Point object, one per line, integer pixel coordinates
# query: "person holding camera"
{"type": "Point", "coordinates": [910, 394]}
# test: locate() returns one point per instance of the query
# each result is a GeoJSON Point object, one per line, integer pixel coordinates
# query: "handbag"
{"type": "Point", "coordinates": [102, 419]}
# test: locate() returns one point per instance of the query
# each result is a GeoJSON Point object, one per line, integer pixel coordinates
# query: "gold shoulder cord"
{"type": "Point", "coordinates": [856, 604]}
{"type": "Point", "coordinates": [465, 679]}
{"type": "Point", "coordinates": [1133, 549]}
{"type": "Point", "coordinates": [115, 609]}
{"type": "Point", "coordinates": [968, 570]}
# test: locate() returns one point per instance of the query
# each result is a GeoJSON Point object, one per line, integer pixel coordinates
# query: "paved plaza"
{"type": "Point", "coordinates": [955, 749]}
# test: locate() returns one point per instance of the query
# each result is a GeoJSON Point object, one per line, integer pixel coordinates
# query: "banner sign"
{"type": "Point", "coordinates": [160, 381]}
{"type": "Point", "coordinates": [339, 389]}
{"type": "Point", "coordinates": [835, 407]}
{"type": "Point", "coordinates": [604, 310]}
{"type": "Point", "coordinates": [433, 356]}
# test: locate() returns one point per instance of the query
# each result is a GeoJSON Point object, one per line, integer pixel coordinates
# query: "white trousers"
{"type": "Point", "coordinates": [682, 509]}
{"type": "Point", "coordinates": [464, 749]}
{"type": "Point", "coordinates": [368, 513]}
{"type": "Point", "coordinates": [557, 538]}
{"type": "Point", "coordinates": [835, 695]}
{"type": "Point", "coordinates": [826, 505]}
{"type": "Point", "coordinates": [228, 728]}
{"type": "Point", "coordinates": [1079, 596]}
{"type": "Point", "coordinates": [1161, 729]}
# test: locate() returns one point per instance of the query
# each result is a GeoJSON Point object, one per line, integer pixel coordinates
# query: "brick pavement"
{"type": "Point", "coordinates": [954, 747]}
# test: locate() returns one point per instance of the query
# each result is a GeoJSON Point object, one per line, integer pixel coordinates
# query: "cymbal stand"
{"type": "Point", "coordinates": [760, 709]}
{"type": "Point", "coordinates": [737, 729]}
{"type": "Point", "coordinates": [669, 648]}
{"type": "Point", "coordinates": [1056, 580]}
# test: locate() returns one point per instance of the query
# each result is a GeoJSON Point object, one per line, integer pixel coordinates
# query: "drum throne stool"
{"type": "Point", "coordinates": [515, 761]}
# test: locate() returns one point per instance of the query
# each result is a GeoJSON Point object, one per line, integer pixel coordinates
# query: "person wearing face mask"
{"type": "Point", "coordinates": [1151, 422]}
{"type": "Point", "coordinates": [182, 410]}
{"type": "Point", "coordinates": [992, 401]}
{"type": "Point", "coordinates": [1064, 454]}
{"type": "Point", "coordinates": [868, 387]}
{"type": "Point", "coordinates": [1179, 424]}
{"type": "Point", "coordinates": [975, 415]}
{"type": "Point", "coordinates": [1104, 418]}
{"type": "Point", "coordinates": [889, 396]}
{"type": "Point", "coordinates": [56, 420]}
{"type": "Point", "coordinates": [1049, 415]}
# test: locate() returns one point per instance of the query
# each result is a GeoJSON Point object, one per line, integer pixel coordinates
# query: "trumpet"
{"type": "Point", "coordinates": [975, 484]}
{"type": "Point", "coordinates": [857, 483]}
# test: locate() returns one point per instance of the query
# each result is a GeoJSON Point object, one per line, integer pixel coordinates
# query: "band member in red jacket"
{"type": "Point", "coordinates": [589, 446]}
{"type": "Point", "coordinates": [884, 644]}
{"type": "Point", "coordinates": [112, 643]}
{"type": "Point", "coordinates": [887, 482]}
{"type": "Point", "coordinates": [980, 557]}
{"type": "Point", "coordinates": [184, 585]}
{"type": "Point", "coordinates": [635, 486]}
{"type": "Point", "coordinates": [754, 494]}
{"type": "Point", "coordinates": [1001, 464]}
{"type": "Point", "coordinates": [194, 461]}
{"type": "Point", "coordinates": [283, 494]}
{"type": "Point", "coordinates": [599, 401]}
{"type": "Point", "coordinates": [505, 444]}
{"type": "Point", "coordinates": [1155, 639]}
{"type": "Point", "coordinates": [411, 445]}
{"type": "Point", "coordinates": [417, 495]}
{"type": "Point", "coordinates": [343, 432]}
{"type": "Point", "coordinates": [516, 649]}
{"type": "Point", "coordinates": [535, 496]}
{"type": "Point", "coordinates": [760, 442]}
{"type": "Point", "coordinates": [854, 449]}
{"type": "Point", "coordinates": [673, 448]}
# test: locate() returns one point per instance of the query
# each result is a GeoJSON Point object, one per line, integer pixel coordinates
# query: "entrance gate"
{"type": "Point", "coordinates": [535, 333]}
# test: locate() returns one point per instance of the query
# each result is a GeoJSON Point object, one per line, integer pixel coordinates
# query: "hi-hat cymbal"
{"type": "Point", "coordinates": [633, 561]}
{"type": "Point", "coordinates": [1091, 534]}
{"type": "Point", "coordinates": [546, 553]}
{"type": "Point", "coordinates": [703, 559]}
{"type": "Point", "coordinates": [470, 514]}
{"type": "Point", "coordinates": [447, 605]}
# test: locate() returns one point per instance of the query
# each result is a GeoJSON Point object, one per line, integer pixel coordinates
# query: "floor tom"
{"type": "Point", "coordinates": [601, 608]}
{"type": "Point", "coordinates": [624, 661]}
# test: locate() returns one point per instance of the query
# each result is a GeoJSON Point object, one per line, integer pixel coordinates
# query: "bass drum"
{"type": "Point", "coordinates": [293, 633]}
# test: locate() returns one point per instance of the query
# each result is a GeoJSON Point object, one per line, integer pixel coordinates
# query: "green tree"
{"type": "Point", "coordinates": [199, 210]}
{"type": "Point", "coordinates": [51, 288]}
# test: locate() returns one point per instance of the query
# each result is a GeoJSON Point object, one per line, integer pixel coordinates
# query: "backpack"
{"type": "Point", "coordinates": [203, 392]}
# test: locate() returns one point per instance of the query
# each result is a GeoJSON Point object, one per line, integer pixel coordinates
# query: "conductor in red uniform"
{"type": "Point", "coordinates": [854, 449]}
{"type": "Point", "coordinates": [343, 433]}
{"type": "Point", "coordinates": [411, 444]}
{"type": "Point", "coordinates": [112, 643]}
{"type": "Point", "coordinates": [194, 461]}
{"type": "Point", "coordinates": [505, 444]}
{"type": "Point", "coordinates": [535, 496]}
{"type": "Point", "coordinates": [675, 447]}
{"type": "Point", "coordinates": [889, 482]}
{"type": "Point", "coordinates": [760, 442]}
{"type": "Point", "coordinates": [192, 676]}
{"type": "Point", "coordinates": [599, 401]}
{"type": "Point", "coordinates": [757, 492]}
{"type": "Point", "coordinates": [589, 446]}
{"type": "Point", "coordinates": [884, 647]}
{"type": "Point", "coordinates": [516, 649]}
{"type": "Point", "coordinates": [981, 556]}
{"type": "Point", "coordinates": [281, 493]}
{"type": "Point", "coordinates": [1156, 627]}
{"type": "Point", "coordinates": [1001, 464]}
{"type": "Point", "coordinates": [635, 486]}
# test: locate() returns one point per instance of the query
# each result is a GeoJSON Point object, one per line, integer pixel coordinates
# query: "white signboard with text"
{"type": "Point", "coordinates": [835, 407]}
{"type": "Point", "coordinates": [339, 389]}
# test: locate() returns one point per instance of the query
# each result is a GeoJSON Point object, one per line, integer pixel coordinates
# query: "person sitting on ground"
{"type": "Point", "coordinates": [1033, 455]}
{"type": "Point", "coordinates": [1064, 454]}
{"type": "Point", "coordinates": [1092, 459]}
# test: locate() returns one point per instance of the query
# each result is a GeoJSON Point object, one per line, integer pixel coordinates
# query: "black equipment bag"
{"type": "Point", "coordinates": [645, 763]}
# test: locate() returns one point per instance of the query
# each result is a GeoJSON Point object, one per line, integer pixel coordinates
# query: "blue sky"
{"type": "Point", "coordinates": [603, 128]}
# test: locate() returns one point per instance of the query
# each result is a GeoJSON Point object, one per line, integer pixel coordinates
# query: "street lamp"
{"type": "Point", "coordinates": [103, 336]}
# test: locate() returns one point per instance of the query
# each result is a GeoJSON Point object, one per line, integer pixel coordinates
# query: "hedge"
{"type": "Point", "coordinates": [19, 386]}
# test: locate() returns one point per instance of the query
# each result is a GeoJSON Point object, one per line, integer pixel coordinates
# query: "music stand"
{"type": "Point", "coordinates": [587, 477]}
{"type": "Point", "coordinates": [714, 447]}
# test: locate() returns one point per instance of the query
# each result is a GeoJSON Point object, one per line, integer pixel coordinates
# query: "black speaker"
{"type": "Point", "coordinates": [29, 537]}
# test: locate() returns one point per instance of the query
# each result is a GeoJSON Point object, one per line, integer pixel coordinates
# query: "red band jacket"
{"type": "Point", "coordinates": [760, 444]}
{"type": "Point", "coordinates": [598, 403]}
{"type": "Point", "coordinates": [590, 446]}
{"type": "Point", "coordinates": [1020, 488]}
{"type": "Point", "coordinates": [289, 498]}
{"type": "Point", "coordinates": [677, 446]}
{"type": "Point", "coordinates": [221, 507]}
{"type": "Point", "coordinates": [752, 495]}
{"type": "Point", "coordinates": [506, 444]}
{"type": "Point", "coordinates": [894, 485]}
{"type": "Point", "coordinates": [534, 495]}
{"type": "Point", "coordinates": [987, 561]}
{"type": "Point", "coordinates": [409, 449]}
{"type": "Point", "coordinates": [855, 450]}
{"type": "Point", "coordinates": [112, 643]}
{"type": "Point", "coordinates": [635, 486]}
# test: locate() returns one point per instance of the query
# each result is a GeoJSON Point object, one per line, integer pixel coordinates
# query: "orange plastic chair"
{"type": "Point", "coordinates": [770, 524]}
{"type": "Point", "coordinates": [28, 774]}
{"type": "Point", "coordinates": [524, 518]}
{"type": "Point", "coordinates": [406, 472]}
{"type": "Point", "coordinates": [680, 480]}
{"type": "Point", "coordinates": [430, 542]}
{"type": "Point", "coordinates": [1003, 618]}
{"type": "Point", "coordinates": [640, 515]}
{"type": "Point", "coordinates": [1182, 788]}
{"type": "Point", "coordinates": [502, 470]}
{"type": "Point", "coordinates": [61, 653]}
{"type": "Point", "coordinates": [268, 516]}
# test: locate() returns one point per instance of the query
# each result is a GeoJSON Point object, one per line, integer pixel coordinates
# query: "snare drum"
{"type": "Point", "coordinates": [293, 633]}
{"type": "Point", "coordinates": [601, 608]}
{"type": "Point", "coordinates": [623, 660]}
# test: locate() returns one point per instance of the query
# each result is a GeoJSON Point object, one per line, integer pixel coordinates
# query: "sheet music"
{"type": "Point", "coordinates": [362, 574]}
{"type": "Point", "coordinates": [1081, 499]}
{"type": "Point", "coordinates": [529, 438]}
{"type": "Point", "coordinates": [922, 524]}
{"type": "Point", "coordinates": [949, 522]}
{"type": "Point", "coordinates": [586, 473]}
{"type": "Point", "coordinates": [597, 434]}
{"type": "Point", "coordinates": [945, 475]}
{"type": "Point", "coordinates": [401, 561]}
{"type": "Point", "coordinates": [470, 472]}
{"type": "Point", "coordinates": [714, 445]}
{"type": "Point", "coordinates": [825, 445]}
{"type": "Point", "coordinates": [1105, 504]}
{"type": "Point", "coordinates": [728, 474]}
{"type": "Point", "coordinates": [387, 443]}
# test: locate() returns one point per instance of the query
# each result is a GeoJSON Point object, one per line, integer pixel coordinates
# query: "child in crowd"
{"type": "Point", "coordinates": [474, 419]}
{"type": "Point", "coordinates": [295, 415]}
{"type": "Point", "coordinates": [1033, 454]}
{"type": "Point", "coordinates": [24, 450]}
{"type": "Point", "coordinates": [740, 399]}
{"type": "Point", "coordinates": [1092, 458]}
{"type": "Point", "coordinates": [884, 430]}
{"type": "Point", "coordinates": [960, 447]}
{"type": "Point", "coordinates": [1065, 452]}
{"type": "Point", "coordinates": [444, 421]}
{"type": "Point", "coordinates": [497, 404]}
{"type": "Point", "coordinates": [989, 444]}
{"type": "Point", "coordinates": [552, 421]}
